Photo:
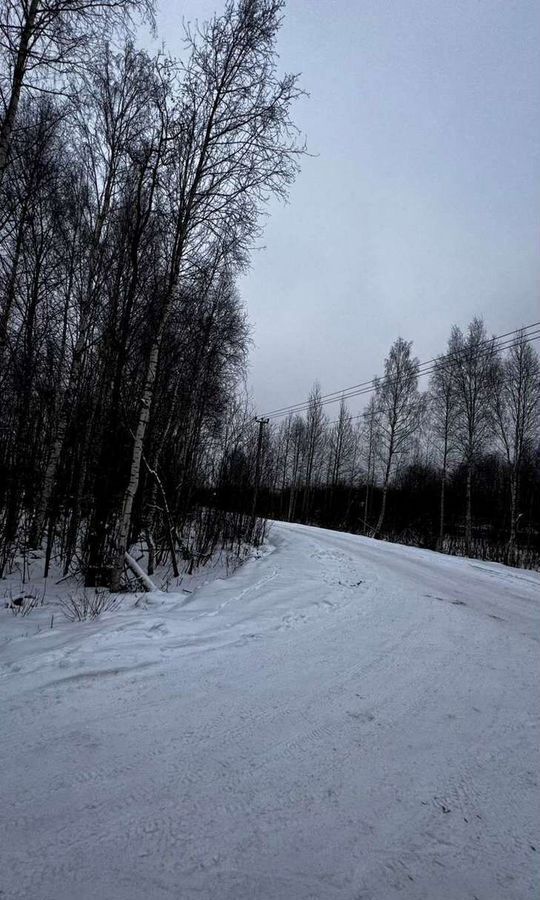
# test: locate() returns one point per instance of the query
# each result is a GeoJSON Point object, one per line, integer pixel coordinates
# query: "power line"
{"type": "Point", "coordinates": [528, 340]}
{"type": "Point", "coordinates": [354, 390]}
{"type": "Point", "coordinates": [366, 387]}
{"type": "Point", "coordinates": [448, 360]}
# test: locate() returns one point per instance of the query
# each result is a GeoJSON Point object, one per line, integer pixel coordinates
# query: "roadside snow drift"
{"type": "Point", "coordinates": [342, 718]}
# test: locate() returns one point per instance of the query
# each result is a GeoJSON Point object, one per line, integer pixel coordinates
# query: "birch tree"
{"type": "Point", "coordinates": [315, 435]}
{"type": "Point", "coordinates": [516, 408]}
{"type": "Point", "coordinates": [231, 146]}
{"type": "Point", "coordinates": [398, 407]}
{"type": "Point", "coordinates": [341, 445]}
{"type": "Point", "coordinates": [370, 440]}
{"type": "Point", "coordinates": [472, 357]}
{"type": "Point", "coordinates": [43, 40]}
{"type": "Point", "coordinates": [442, 411]}
{"type": "Point", "coordinates": [298, 440]}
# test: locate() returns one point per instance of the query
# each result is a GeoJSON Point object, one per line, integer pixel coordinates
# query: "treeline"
{"type": "Point", "coordinates": [131, 186]}
{"type": "Point", "coordinates": [455, 467]}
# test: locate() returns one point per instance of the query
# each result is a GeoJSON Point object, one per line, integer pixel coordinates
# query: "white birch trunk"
{"type": "Point", "coordinates": [136, 459]}
{"type": "Point", "coordinates": [140, 573]}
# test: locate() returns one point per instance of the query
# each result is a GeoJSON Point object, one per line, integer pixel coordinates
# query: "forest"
{"type": "Point", "coordinates": [131, 192]}
{"type": "Point", "coordinates": [453, 467]}
{"type": "Point", "coordinates": [131, 189]}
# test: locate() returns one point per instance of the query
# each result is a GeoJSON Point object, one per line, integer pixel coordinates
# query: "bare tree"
{"type": "Point", "coordinates": [371, 442]}
{"type": "Point", "coordinates": [516, 407]}
{"type": "Point", "coordinates": [341, 446]}
{"type": "Point", "coordinates": [443, 411]}
{"type": "Point", "coordinates": [472, 356]}
{"type": "Point", "coordinates": [398, 406]}
{"type": "Point", "coordinates": [298, 447]}
{"type": "Point", "coordinates": [123, 225]}
{"type": "Point", "coordinates": [230, 148]}
{"type": "Point", "coordinates": [316, 423]}
{"type": "Point", "coordinates": [40, 38]}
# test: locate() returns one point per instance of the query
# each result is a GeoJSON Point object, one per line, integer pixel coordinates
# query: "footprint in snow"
{"type": "Point", "coordinates": [361, 716]}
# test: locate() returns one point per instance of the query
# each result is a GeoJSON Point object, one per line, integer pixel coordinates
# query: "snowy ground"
{"type": "Point", "coordinates": [341, 719]}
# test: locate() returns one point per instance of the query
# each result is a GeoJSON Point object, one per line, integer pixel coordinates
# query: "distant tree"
{"type": "Point", "coordinates": [472, 357]}
{"type": "Point", "coordinates": [341, 445]}
{"type": "Point", "coordinates": [370, 440]}
{"type": "Point", "coordinates": [298, 448]}
{"type": "Point", "coordinates": [516, 406]}
{"type": "Point", "coordinates": [282, 441]}
{"type": "Point", "coordinates": [411, 454]}
{"type": "Point", "coordinates": [316, 422]}
{"type": "Point", "coordinates": [398, 409]}
{"type": "Point", "coordinates": [442, 412]}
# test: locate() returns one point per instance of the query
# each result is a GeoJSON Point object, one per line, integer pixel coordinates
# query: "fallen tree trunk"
{"type": "Point", "coordinates": [140, 573]}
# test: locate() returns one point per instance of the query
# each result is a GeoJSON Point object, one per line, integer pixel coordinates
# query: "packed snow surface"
{"type": "Point", "coordinates": [341, 719]}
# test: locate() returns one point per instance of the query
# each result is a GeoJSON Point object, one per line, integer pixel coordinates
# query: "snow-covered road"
{"type": "Point", "coordinates": [342, 719]}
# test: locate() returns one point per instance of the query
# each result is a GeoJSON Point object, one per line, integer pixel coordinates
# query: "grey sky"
{"type": "Point", "coordinates": [422, 206]}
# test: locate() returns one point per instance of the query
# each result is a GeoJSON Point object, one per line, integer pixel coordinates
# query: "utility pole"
{"type": "Point", "coordinates": [261, 422]}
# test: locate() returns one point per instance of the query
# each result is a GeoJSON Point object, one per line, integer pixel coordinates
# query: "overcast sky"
{"type": "Point", "coordinates": [421, 207]}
